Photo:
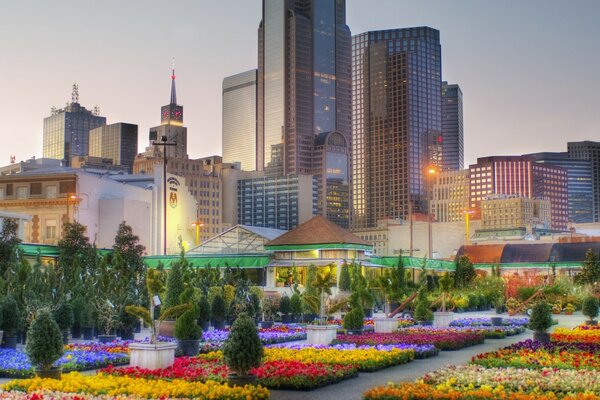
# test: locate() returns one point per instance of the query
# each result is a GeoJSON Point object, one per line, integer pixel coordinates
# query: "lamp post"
{"type": "Point", "coordinates": [163, 142]}
{"type": "Point", "coordinates": [197, 224]}
{"type": "Point", "coordinates": [467, 235]}
{"type": "Point", "coordinates": [431, 171]}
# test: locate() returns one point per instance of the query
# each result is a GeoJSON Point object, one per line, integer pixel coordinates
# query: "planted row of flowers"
{"type": "Point", "coordinates": [110, 385]}
{"type": "Point", "coordinates": [421, 351]}
{"type": "Point", "coordinates": [581, 334]}
{"type": "Point", "coordinates": [486, 321]}
{"type": "Point", "coordinates": [213, 340]}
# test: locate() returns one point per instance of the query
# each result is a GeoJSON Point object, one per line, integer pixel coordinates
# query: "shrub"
{"type": "Point", "coordinates": [255, 301]}
{"type": "Point", "coordinates": [175, 285]}
{"type": "Point", "coordinates": [204, 309]}
{"type": "Point", "coordinates": [422, 311]}
{"type": "Point", "coordinates": [296, 304]}
{"type": "Point", "coordinates": [44, 341]}
{"type": "Point", "coordinates": [217, 308]}
{"type": "Point", "coordinates": [243, 349]}
{"type": "Point", "coordinates": [344, 283]}
{"type": "Point", "coordinates": [354, 320]}
{"type": "Point", "coordinates": [590, 307]}
{"type": "Point", "coordinates": [285, 305]}
{"type": "Point", "coordinates": [541, 317]}
{"type": "Point", "coordinates": [186, 327]}
{"type": "Point", "coordinates": [64, 316]}
{"type": "Point", "coordinates": [11, 317]}
{"type": "Point", "coordinates": [77, 307]}
{"type": "Point", "coordinates": [523, 293]}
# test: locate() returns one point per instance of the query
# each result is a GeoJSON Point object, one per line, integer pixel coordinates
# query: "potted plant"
{"type": "Point", "coordinates": [569, 309]}
{"type": "Point", "coordinates": [242, 351]}
{"type": "Point", "coordinates": [45, 345]}
{"type": "Point", "coordinates": [11, 319]}
{"type": "Point", "coordinates": [128, 325]}
{"type": "Point", "coordinates": [557, 308]}
{"type": "Point", "coordinates": [423, 313]}
{"type": "Point", "coordinates": [1, 331]}
{"type": "Point", "coordinates": [188, 333]}
{"type": "Point", "coordinates": [512, 304]}
{"type": "Point", "coordinates": [64, 318]}
{"type": "Point", "coordinates": [540, 321]}
{"type": "Point", "coordinates": [217, 312]}
{"type": "Point", "coordinates": [107, 318]}
{"type": "Point", "coordinates": [590, 309]}
{"type": "Point", "coordinates": [204, 313]}
{"type": "Point", "coordinates": [269, 310]}
{"type": "Point", "coordinates": [296, 307]}
{"type": "Point", "coordinates": [87, 322]}
{"type": "Point", "coordinates": [285, 308]}
{"type": "Point", "coordinates": [354, 321]}
{"type": "Point", "coordinates": [77, 306]}
{"type": "Point", "coordinates": [443, 317]}
{"type": "Point", "coordinates": [499, 305]}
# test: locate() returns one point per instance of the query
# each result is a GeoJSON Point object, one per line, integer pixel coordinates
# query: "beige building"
{"type": "Point", "coordinates": [450, 196]}
{"type": "Point", "coordinates": [504, 212]}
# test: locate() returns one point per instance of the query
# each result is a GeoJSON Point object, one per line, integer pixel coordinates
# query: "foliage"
{"type": "Point", "coordinates": [175, 283]}
{"type": "Point", "coordinates": [243, 349]}
{"type": "Point", "coordinates": [9, 241]}
{"type": "Point", "coordinates": [422, 311]}
{"type": "Point", "coordinates": [204, 309]}
{"type": "Point", "coordinates": [186, 327]}
{"type": "Point", "coordinates": [361, 295]}
{"type": "Point", "coordinates": [11, 316]}
{"type": "Point", "coordinates": [64, 316]}
{"type": "Point", "coordinates": [296, 304]}
{"type": "Point", "coordinates": [465, 272]}
{"type": "Point", "coordinates": [44, 341]}
{"type": "Point", "coordinates": [107, 315]}
{"type": "Point", "coordinates": [354, 320]}
{"type": "Point", "coordinates": [541, 317]}
{"type": "Point", "coordinates": [590, 270]}
{"type": "Point", "coordinates": [269, 308]}
{"type": "Point", "coordinates": [492, 287]}
{"type": "Point", "coordinates": [523, 293]}
{"type": "Point", "coordinates": [285, 305]}
{"type": "Point", "coordinates": [590, 307]}
{"type": "Point", "coordinates": [217, 308]}
{"type": "Point", "coordinates": [344, 283]}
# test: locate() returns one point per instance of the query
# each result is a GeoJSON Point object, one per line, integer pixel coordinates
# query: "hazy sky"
{"type": "Point", "coordinates": [529, 70]}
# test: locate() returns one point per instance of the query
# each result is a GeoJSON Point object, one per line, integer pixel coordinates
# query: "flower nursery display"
{"type": "Point", "coordinates": [583, 333]}
{"type": "Point", "coordinates": [213, 340]}
{"type": "Point", "coordinates": [421, 351]}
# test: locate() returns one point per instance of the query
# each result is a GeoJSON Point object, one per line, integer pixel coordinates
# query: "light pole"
{"type": "Point", "coordinates": [163, 142]}
{"type": "Point", "coordinates": [431, 171]}
{"type": "Point", "coordinates": [467, 235]}
{"type": "Point", "coordinates": [197, 224]}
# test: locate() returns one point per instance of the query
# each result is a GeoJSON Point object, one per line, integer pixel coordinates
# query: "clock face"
{"type": "Point", "coordinates": [176, 114]}
{"type": "Point", "coordinates": [165, 114]}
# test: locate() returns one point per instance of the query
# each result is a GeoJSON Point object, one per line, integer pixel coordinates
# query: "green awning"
{"type": "Point", "coordinates": [559, 265]}
{"type": "Point", "coordinates": [341, 246]}
{"type": "Point", "coordinates": [239, 261]}
{"type": "Point", "coordinates": [415, 262]}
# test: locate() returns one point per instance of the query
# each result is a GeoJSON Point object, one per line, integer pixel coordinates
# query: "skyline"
{"type": "Point", "coordinates": [543, 98]}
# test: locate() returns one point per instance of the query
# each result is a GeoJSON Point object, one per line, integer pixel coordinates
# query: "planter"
{"type": "Point", "coordinates": [386, 325]}
{"type": "Point", "coordinates": [496, 321]}
{"type": "Point", "coordinates": [9, 342]}
{"type": "Point", "coordinates": [107, 338]}
{"type": "Point", "coordinates": [189, 348]}
{"type": "Point", "coordinates": [127, 334]}
{"type": "Point", "coordinates": [88, 333]}
{"type": "Point", "coordinates": [76, 332]}
{"type": "Point", "coordinates": [425, 323]}
{"type": "Point", "coordinates": [166, 328]}
{"type": "Point", "coordinates": [266, 324]}
{"type": "Point", "coordinates": [219, 324]}
{"type": "Point", "coordinates": [368, 312]}
{"type": "Point", "coordinates": [241, 380]}
{"type": "Point", "coordinates": [591, 322]}
{"type": "Point", "coordinates": [542, 337]}
{"type": "Point", "coordinates": [568, 313]}
{"type": "Point", "coordinates": [152, 355]}
{"type": "Point", "coordinates": [65, 337]}
{"type": "Point", "coordinates": [354, 331]}
{"type": "Point", "coordinates": [52, 373]}
{"type": "Point", "coordinates": [321, 334]}
{"type": "Point", "coordinates": [442, 319]}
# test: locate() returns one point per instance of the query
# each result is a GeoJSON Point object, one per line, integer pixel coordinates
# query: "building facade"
{"type": "Point", "coordinates": [66, 131]}
{"type": "Point", "coordinates": [304, 89]}
{"type": "Point", "coordinates": [450, 196]}
{"type": "Point", "coordinates": [397, 130]}
{"type": "Point", "coordinates": [588, 150]}
{"type": "Point", "coordinates": [506, 212]}
{"type": "Point", "coordinates": [239, 120]}
{"type": "Point", "coordinates": [452, 127]}
{"type": "Point", "coordinates": [117, 142]}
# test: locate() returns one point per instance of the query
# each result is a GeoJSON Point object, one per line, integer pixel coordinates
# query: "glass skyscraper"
{"type": "Point", "coordinates": [119, 142]}
{"type": "Point", "coordinates": [304, 91]}
{"type": "Point", "coordinates": [588, 150]}
{"type": "Point", "coordinates": [396, 121]}
{"type": "Point", "coordinates": [239, 120]}
{"type": "Point", "coordinates": [452, 127]}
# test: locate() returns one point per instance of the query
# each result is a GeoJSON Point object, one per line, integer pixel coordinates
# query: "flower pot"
{"type": "Point", "coordinates": [591, 322]}
{"type": "Point", "coordinates": [386, 325]}
{"type": "Point", "coordinates": [368, 312]}
{"type": "Point", "coordinates": [354, 331]}
{"type": "Point", "coordinates": [9, 342]}
{"type": "Point", "coordinates": [107, 338]}
{"type": "Point", "coordinates": [127, 334]}
{"type": "Point", "coordinates": [65, 337]}
{"type": "Point", "coordinates": [266, 324]}
{"type": "Point", "coordinates": [52, 373]}
{"type": "Point", "coordinates": [542, 337]}
{"type": "Point", "coordinates": [321, 334]}
{"type": "Point", "coordinates": [568, 312]}
{"type": "Point", "coordinates": [76, 332]}
{"type": "Point", "coordinates": [496, 321]}
{"type": "Point", "coordinates": [442, 319]}
{"type": "Point", "coordinates": [88, 333]}
{"type": "Point", "coordinates": [219, 324]}
{"type": "Point", "coordinates": [205, 325]}
{"type": "Point", "coordinates": [152, 355]}
{"type": "Point", "coordinates": [189, 348]}
{"type": "Point", "coordinates": [286, 318]}
{"type": "Point", "coordinates": [241, 380]}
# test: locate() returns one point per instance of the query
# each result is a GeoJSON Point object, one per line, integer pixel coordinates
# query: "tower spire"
{"type": "Point", "coordinates": [173, 91]}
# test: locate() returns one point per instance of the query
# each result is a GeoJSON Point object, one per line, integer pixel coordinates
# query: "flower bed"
{"type": "Point", "coordinates": [113, 347]}
{"type": "Point", "coordinates": [110, 385]}
{"type": "Point", "coordinates": [421, 351]}
{"type": "Point", "coordinates": [581, 334]}
{"type": "Point", "coordinates": [15, 363]}
{"type": "Point", "coordinates": [213, 340]}
{"type": "Point", "coordinates": [488, 322]}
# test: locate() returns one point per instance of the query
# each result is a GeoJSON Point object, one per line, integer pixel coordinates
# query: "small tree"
{"type": "Point", "coordinates": [354, 320]}
{"type": "Point", "coordinates": [9, 242]}
{"type": "Point", "coordinates": [44, 341]}
{"type": "Point", "coordinates": [243, 349]}
{"type": "Point", "coordinates": [11, 316]}
{"type": "Point", "coordinates": [203, 309]}
{"type": "Point", "coordinates": [296, 304]}
{"type": "Point", "coordinates": [465, 272]}
{"type": "Point", "coordinates": [590, 270]}
{"type": "Point", "coordinates": [217, 309]}
{"type": "Point", "coordinates": [590, 307]}
{"type": "Point", "coordinates": [285, 305]}
{"type": "Point", "coordinates": [186, 327]}
{"type": "Point", "coordinates": [64, 316]}
{"type": "Point", "coordinates": [541, 317]}
{"type": "Point", "coordinates": [175, 285]}
{"type": "Point", "coordinates": [344, 283]}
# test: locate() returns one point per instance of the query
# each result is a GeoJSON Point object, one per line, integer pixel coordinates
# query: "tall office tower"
{"type": "Point", "coordinates": [239, 120]}
{"type": "Point", "coordinates": [118, 142]}
{"type": "Point", "coordinates": [452, 127]}
{"type": "Point", "coordinates": [579, 183]}
{"type": "Point", "coordinates": [588, 150]}
{"type": "Point", "coordinates": [66, 131]}
{"type": "Point", "coordinates": [522, 176]}
{"type": "Point", "coordinates": [450, 197]}
{"type": "Point", "coordinates": [304, 97]}
{"type": "Point", "coordinates": [397, 96]}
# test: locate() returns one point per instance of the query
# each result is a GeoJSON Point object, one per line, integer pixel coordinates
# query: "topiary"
{"type": "Point", "coordinates": [354, 320]}
{"type": "Point", "coordinates": [243, 349]}
{"type": "Point", "coordinates": [541, 317]}
{"type": "Point", "coordinates": [296, 304]}
{"type": "Point", "coordinates": [186, 327]}
{"type": "Point", "coordinates": [285, 305]}
{"type": "Point", "coordinates": [422, 311]}
{"type": "Point", "coordinates": [590, 307]}
{"type": "Point", "coordinates": [217, 308]}
{"type": "Point", "coordinates": [64, 316]}
{"type": "Point", "coordinates": [11, 317]}
{"type": "Point", "coordinates": [203, 309]}
{"type": "Point", "coordinates": [344, 282]}
{"type": "Point", "coordinates": [44, 341]}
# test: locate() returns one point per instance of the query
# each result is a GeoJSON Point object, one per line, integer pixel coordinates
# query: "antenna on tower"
{"type": "Point", "coordinates": [53, 110]}
{"type": "Point", "coordinates": [13, 158]}
{"type": "Point", "coordinates": [75, 93]}
{"type": "Point", "coordinates": [96, 111]}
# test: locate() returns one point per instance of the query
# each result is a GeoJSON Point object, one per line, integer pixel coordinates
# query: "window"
{"type": "Point", "coordinates": [51, 192]}
{"type": "Point", "coordinates": [35, 188]}
{"type": "Point", "coordinates": [9, 189]}
{"type": "Point", "coordinates": [2, 191]}
{"type": "Point", "coordinates": [22, 192]}
{"type": "Point", "coordinates": [50, 229]}
{"type": "Point", "coordinates": [67, 187]}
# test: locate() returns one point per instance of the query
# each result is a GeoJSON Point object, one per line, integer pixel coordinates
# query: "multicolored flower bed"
{"type": "Point", "coordinates": [15, 363]}
{"type": "Point", "coordinates": [488, 322]}
{"type": "Point", "coordinates": [213, 340]}
{"type": "Point", "coordinates": [581, 334]}
{"type": "Point", "coordinates": [113, 347]}
{"type": "Point", "coordinates": [421, 351]}
{"type": "Point", "coordinates": [109, 385]}
{"type": "Point", "coordinates": [443, 339]}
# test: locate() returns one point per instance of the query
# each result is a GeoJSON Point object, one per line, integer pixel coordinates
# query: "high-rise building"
{"type": "Point", "coordinates": [118, 142]}
{"type": "Point", "coordinates": [304, 91]}
{"type": "Point", "coordinates": [522, 176]}
{"type": "Point", "coordinates": [513, 211]}
{"type": "Point", "coordinates": [588, 150]}
{"type": "Point", "coordinates": [450, 197]}
{"type": "Point", "coordinates": [452, 127]}
{"type": "Point", "coordinates": [579, 182]}
{"type": "Point", "coordinates": [66, 131]}
{"type": "Point", "coordinates": [397, 95]}
{"type": "Point", "coordinates": [239, 120]}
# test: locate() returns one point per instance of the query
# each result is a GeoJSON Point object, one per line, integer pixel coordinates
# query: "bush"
{"type": "Point", "coordinates": [217, 308]}
{"type": "Point", "coordinates": [243, 349]}
{"type": "Point", "coordinates": [296, 304]}
{"type": "Point", "coordinates": [64, 316]}
{"type": "Point", "coordinates": [11, 317]}
{"type": "Point", "coordinates": [255, 301]}
{"type": "Point", "coordinates": [590, 307]}
{"type": "Point", "coordinates": [175, 285]}
{"type": "Point", "coordinates": [541, 317]}
{"type": "Point", "coordinates": [344, 283]}
{"type": "Point", "coordinates": [422, 311]}
{"type": "Point", "coordinates": [186, 327]}
{"type": "Point", "coordinates": [204, 309]}
{"type": "Point", "coordinates": [354, 320]}
{"type": "Point", "coordinates": [77, 307]}
{"type": "Point", "coordinates": [44, 341]}
{"type": "Point", "coordinates": [523, 293]}
{"type": "Point", "coordinates": [285, 305]}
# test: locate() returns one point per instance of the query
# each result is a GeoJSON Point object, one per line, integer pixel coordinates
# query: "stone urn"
{"type": "Point", "coordinates": [386, 325]}
{"type": "Point", "coordinates": [321, 334]}
{"type": "Point", "coordinates": [152, 355]}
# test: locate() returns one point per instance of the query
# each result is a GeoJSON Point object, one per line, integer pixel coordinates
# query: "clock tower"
{"type": "Point", "coordinates": [172, 113]}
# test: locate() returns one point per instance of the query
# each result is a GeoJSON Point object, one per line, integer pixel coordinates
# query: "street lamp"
{"type": "Point", "coordinates": [163, 142]}
{"type": "Point", "coordinates": [197, 224]}
{"type": "Point", "coordinates": [431, 171]}
{"type": "Point", "coordinates": [467, 213]}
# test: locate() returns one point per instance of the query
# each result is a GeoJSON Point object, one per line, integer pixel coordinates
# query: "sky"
{"type": "Point", "coordinates": [528, 70]}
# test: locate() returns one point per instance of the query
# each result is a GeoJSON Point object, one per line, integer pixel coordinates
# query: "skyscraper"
{"type": "Point", "coordinates": [588, 150]}
{"type": "Point", "coordinates": [304, 96]}
{"type": "Point", "coordinates": [396, 88]}
{"type": "Point", "coordinates": [239, 120]}
{"type": "Point", "coordinates": [66, 131]}
{"type": "Point", "coordinates": [118, 142]}
{"type": "Point", "coordinates": [452, 127]}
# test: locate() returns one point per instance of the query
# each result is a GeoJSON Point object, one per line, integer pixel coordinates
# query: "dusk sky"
{"type": "Point", "coordinates": [529, 70]}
